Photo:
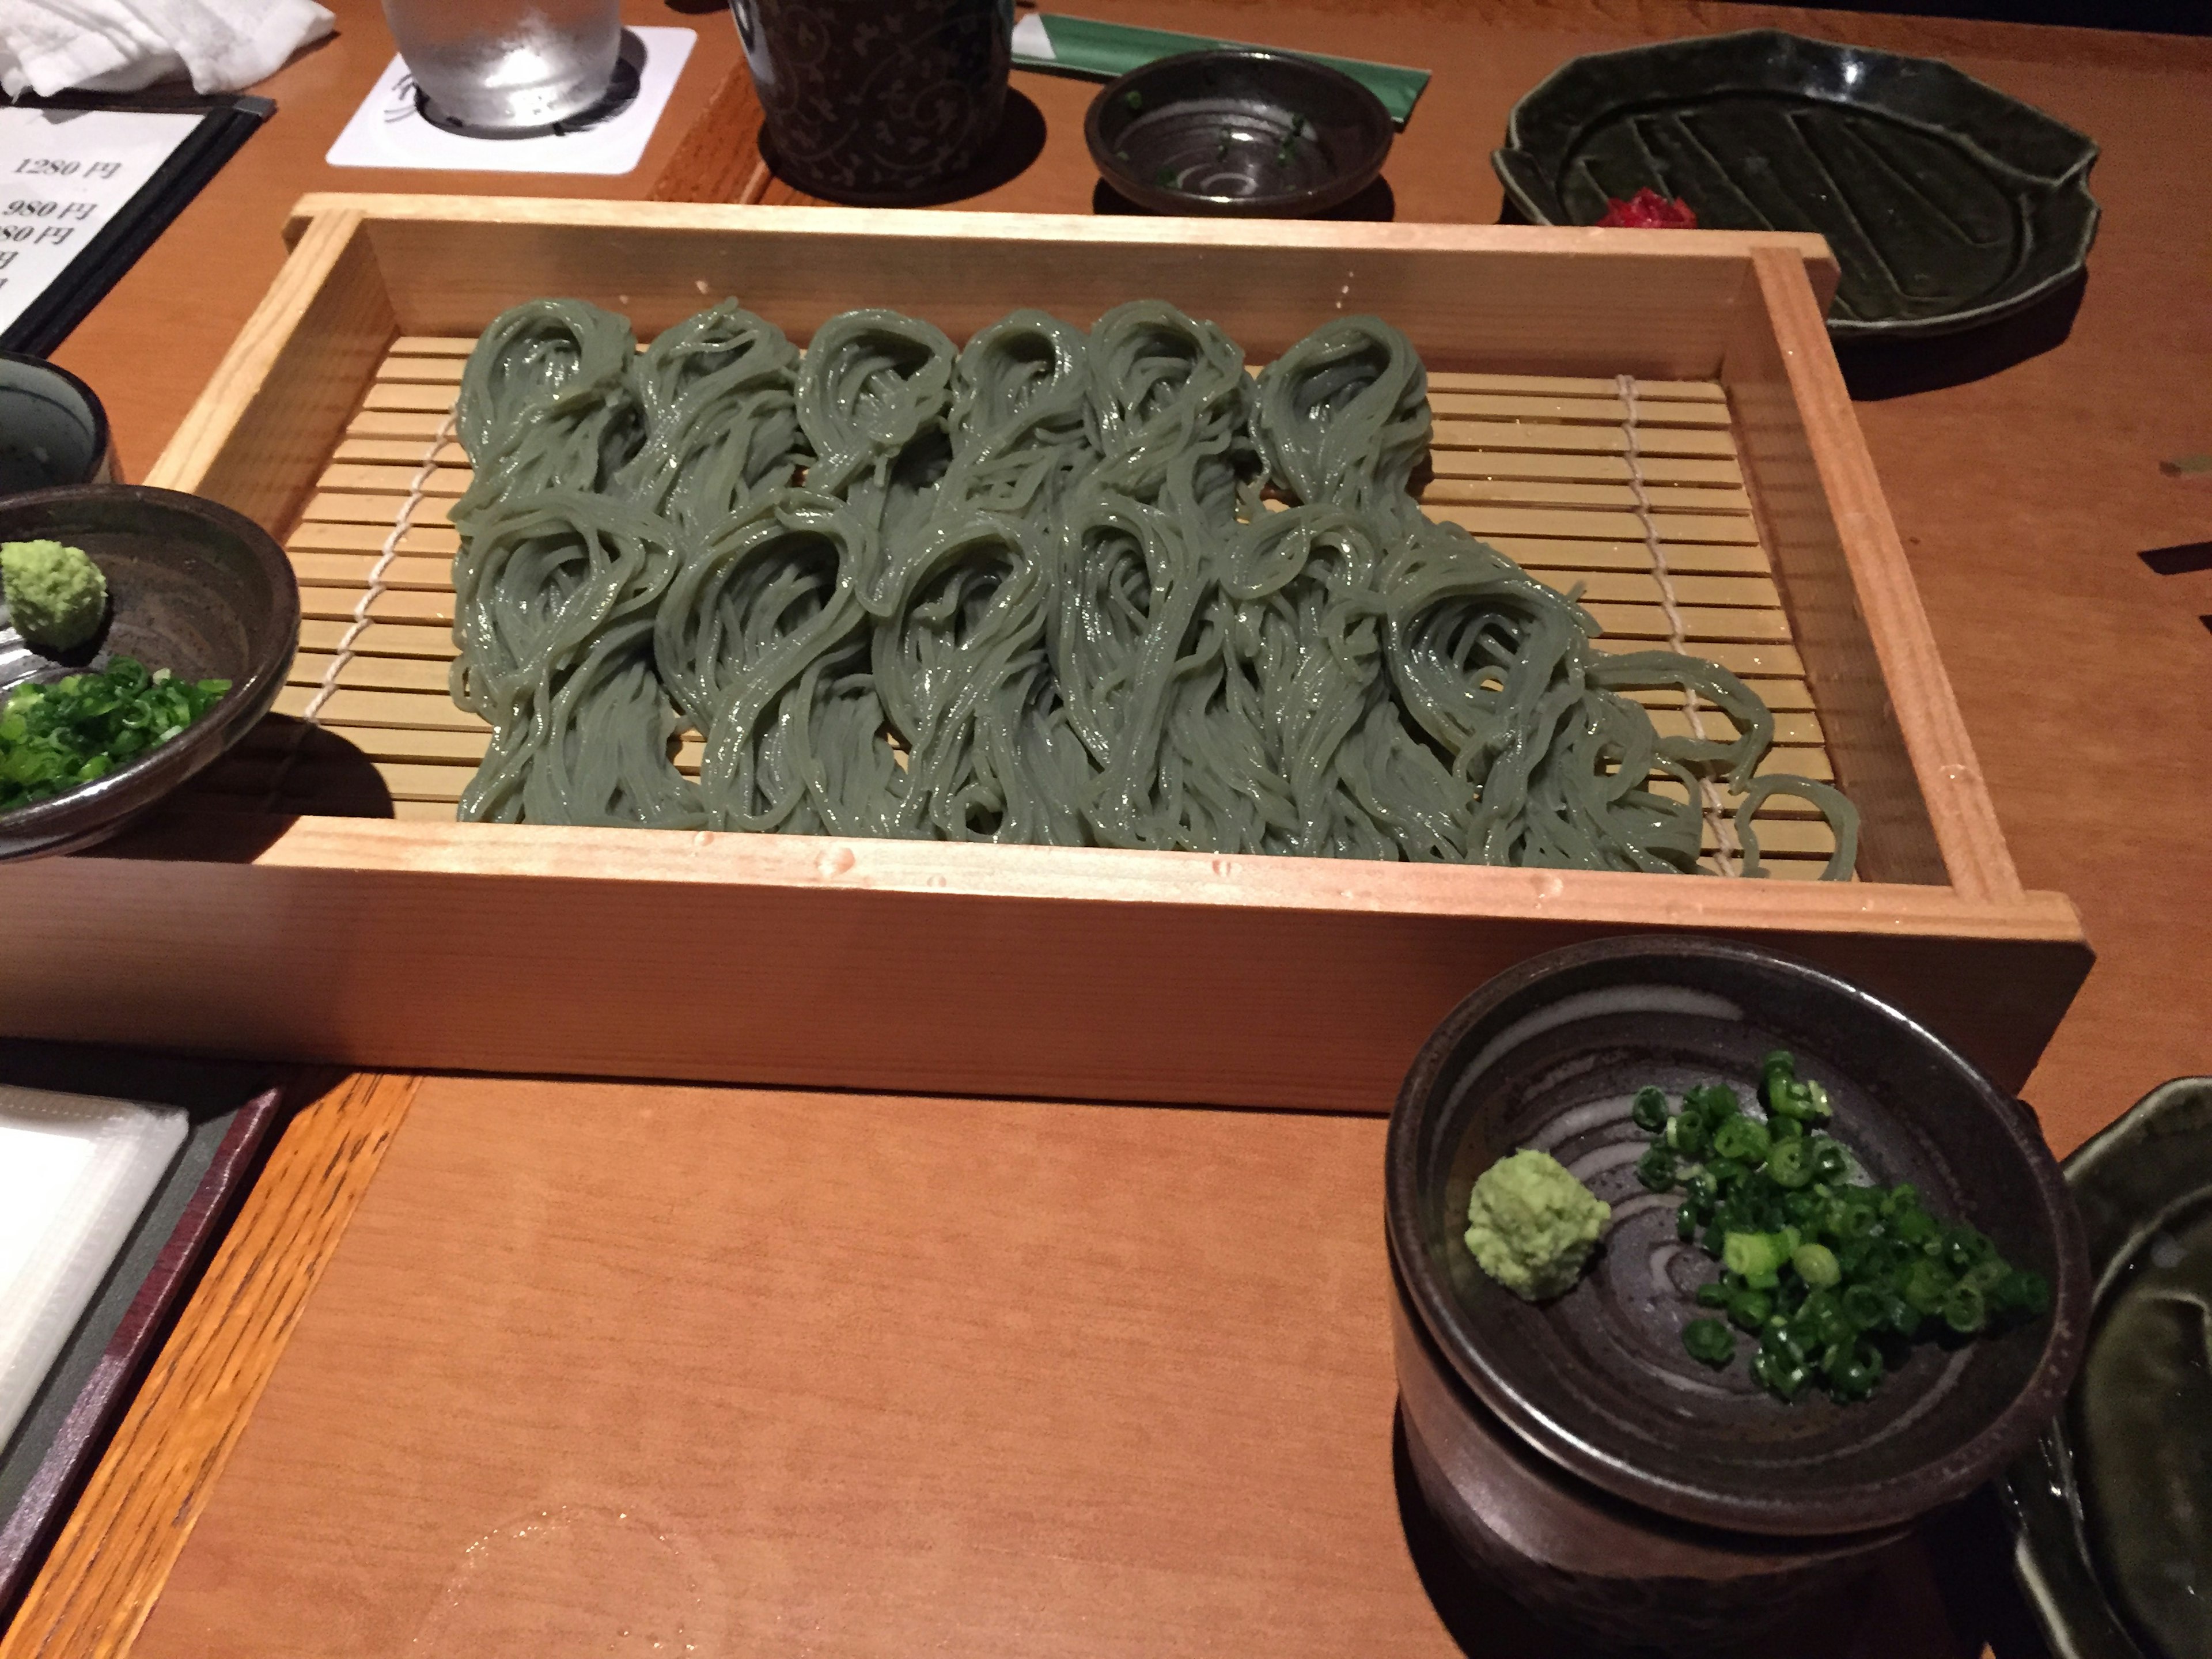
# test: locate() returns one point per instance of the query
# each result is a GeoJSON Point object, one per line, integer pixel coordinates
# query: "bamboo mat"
{"type": "Point", "coordinates": [1629, 490]}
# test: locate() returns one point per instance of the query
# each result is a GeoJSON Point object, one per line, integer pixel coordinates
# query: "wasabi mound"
{"type": "Point", "coordinates": [1532, 1226]}
{"type": "Point", "coordinates": [56, 595]}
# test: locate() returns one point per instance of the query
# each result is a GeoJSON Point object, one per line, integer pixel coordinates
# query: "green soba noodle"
{"type": "Point", "coordinates": [1099, 589]}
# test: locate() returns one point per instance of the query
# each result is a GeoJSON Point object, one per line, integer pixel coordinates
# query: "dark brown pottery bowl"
{"type": "Point", "coordinates": [2109, 1509]}
{"type": "Point", "coordinates": [1597, 1569]}
{"type": "Point", "coordinates": [1238, 131]}
{"type": "Point", "coordinates": [193, 587]}
{"type": "Point", "coordinates": [1549, 1055]}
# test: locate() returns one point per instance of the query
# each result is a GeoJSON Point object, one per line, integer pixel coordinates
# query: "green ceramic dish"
{"type": "Point", "coordinates": [2112, 1510]}
{"type": "Point", "coordinates": [1948, 204]}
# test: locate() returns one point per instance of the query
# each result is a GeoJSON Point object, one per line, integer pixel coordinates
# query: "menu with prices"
{"type": "Point", "coordinates": [64, 175]}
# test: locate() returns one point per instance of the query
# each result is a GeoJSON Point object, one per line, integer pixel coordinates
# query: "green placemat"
{"type": "Point", "coordinates": [1076, 46]}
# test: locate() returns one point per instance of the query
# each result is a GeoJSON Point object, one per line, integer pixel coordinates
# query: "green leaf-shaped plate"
{"type": "Point", "coordinates": [1948, 204]}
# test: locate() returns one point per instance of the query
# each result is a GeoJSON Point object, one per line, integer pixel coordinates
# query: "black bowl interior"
{"type": "Point", "coordinates": [1549, 1056]}
{"type": "Point", "coordinates": [53, 429]}
{"type": "Point", "coordinates": [1947, 202]}
{"type": "Point", "coordinates": [1238, 132]}
{"type": "Point", "coordinates": [193, 587]}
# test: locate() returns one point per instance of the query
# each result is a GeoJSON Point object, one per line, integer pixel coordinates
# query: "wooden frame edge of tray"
{"type": "Point", "coordinates": [594, 212]}
{"type": "Point", "coordinates": [1951, 783]}
{"type": "Point", "coordinates": [107, 1567]}
{"type": "Point", "coordinates": [1077, 875]}
{"type": "Point", "coordinates": [919, 968]}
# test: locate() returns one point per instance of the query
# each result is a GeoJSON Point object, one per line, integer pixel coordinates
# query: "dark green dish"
{"type": "Point", "coordinates": [2113, 1508]}
{"type": "Point", "coordinates": [1948, 204]}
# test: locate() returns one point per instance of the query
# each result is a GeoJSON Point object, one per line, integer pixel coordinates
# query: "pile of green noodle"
{"type": "Point", "coordinates": [1101, 589]}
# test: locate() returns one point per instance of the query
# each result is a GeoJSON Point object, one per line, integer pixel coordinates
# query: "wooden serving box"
{"type": "Point", "coordinates": [253, 916]}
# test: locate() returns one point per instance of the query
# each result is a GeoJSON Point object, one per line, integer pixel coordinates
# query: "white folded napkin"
{"type": "Point", "coordinates": [120, 45]}
{"type": "Point", "coordinates": [75, 1174]}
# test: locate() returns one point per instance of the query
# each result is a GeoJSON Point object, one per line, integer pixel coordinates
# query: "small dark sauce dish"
{"type": "Point", "coordinates": [1238, 131]}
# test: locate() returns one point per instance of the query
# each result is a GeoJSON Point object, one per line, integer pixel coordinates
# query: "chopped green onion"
{"type": "Point", "coordinates": [1964, 1310]}
{"type": "Point", "coordinates": [1824, 1321]}
{"type": "Point", "coordinates": [1832, 1277]}
{"type": "Point", "coordinates": [1781, 1377]}
{"type": "Point", "coordinates": [1656, 1170]}
{"type": "Point", "coordinates": [58, 736]}
{"type": "Point", "coordinates": [1790, 1097]}
{"type": "Point", "coordinates": [1963, 1249]}
{"type": "Point", "coordinates": [1710, 1342]}
{"type": "Point", "coordinates": [1750, 1308]}
{"type": "Point", "coordinates": [1816, 1265]}
{"type": "Point", "coordinates": [1925, 1284]}
{"type": "Point", "coordinates": [1741, 1138]}
{"type": "Point", "coordinates": [1790, 1164]}
{"type": "Point", "coordinates": [1864, 1305]}
{"type": "Point", "coordinates": [1986, 1275]}
{"type": "Point", "coordinates": [1726, 1172]}
{"type": "Point", "coordinates": [1715, 1100]}
{"type": "Point", "coordinates": [1688, 1134]}
{"type": "Point", "coordinates": [1915, 1226]}
{"type": "Point", "coordinates": [1649, 1114]}
{"type": "Point", "coordinates": [1757, 1256]}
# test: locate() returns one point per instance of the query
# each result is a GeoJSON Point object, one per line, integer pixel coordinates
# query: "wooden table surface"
{"type": "Point", "coordinates": [851, 1375]}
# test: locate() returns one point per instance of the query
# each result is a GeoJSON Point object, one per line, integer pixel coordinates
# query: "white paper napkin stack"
{"type": "Point", "coordinates": [120, 45]}
{"type": "Point", "coordinates": [75, 1173]}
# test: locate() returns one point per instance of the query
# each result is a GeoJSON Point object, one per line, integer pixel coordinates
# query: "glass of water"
{"type": "Point", "coordinates": [504, 64]}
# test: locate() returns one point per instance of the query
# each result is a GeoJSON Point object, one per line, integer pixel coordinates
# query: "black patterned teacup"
{"type": "Point", "coordinates": [876, 101]}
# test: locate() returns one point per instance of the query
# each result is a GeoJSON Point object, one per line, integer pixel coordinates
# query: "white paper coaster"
{"type": "Point", "coordinates": [75, 1174]}
{"type": "Point", "coordinates": [389, 131]}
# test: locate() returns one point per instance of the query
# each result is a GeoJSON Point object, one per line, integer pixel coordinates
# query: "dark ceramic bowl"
{"type": "Point", "coordinates": [1549, 1055]}
{"type": "Point", "coordinates": [1238, 131]}
{"type": "Point", "coordinates": [2144, 1189]}
{"type": "Point", "coordinates": [1948, 203]}
{"type": "Point", "coordinates": [193, 587]}
{"type": "Point", "coordinates": [53, 429]}
{"type": "Point", "coordinates": [1606, 1572]}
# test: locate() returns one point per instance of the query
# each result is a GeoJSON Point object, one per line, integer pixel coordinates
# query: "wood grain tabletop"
{"type": "Point", "coordinates": [632, 1370]}
{"type": "Point", "coordinates": [790, 1373]}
